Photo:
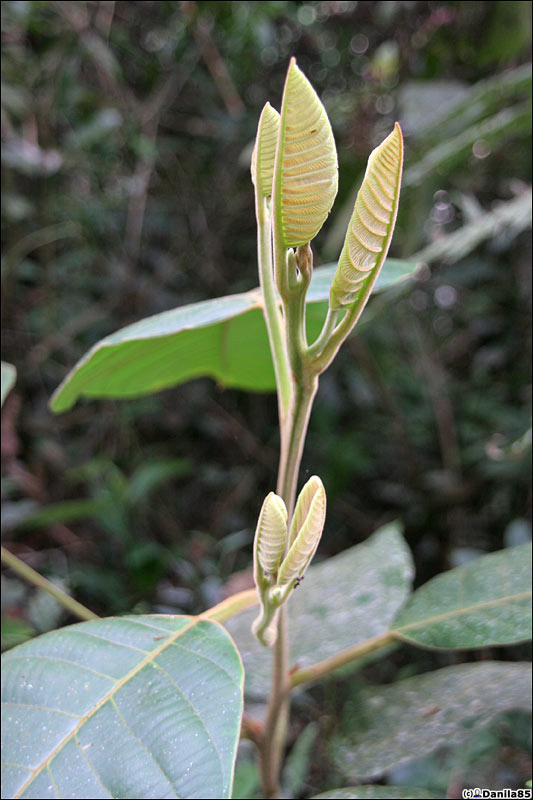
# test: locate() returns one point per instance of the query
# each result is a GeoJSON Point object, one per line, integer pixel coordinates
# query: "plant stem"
{"type": "Point", "coordinates": [293, 440]}
{"type": "Point", "coordinates": [232, 605]}
{"type": "Point", "coordinates": [30, 575]}
{"type": "Point", "coordinates": [275, 730]}
{"type": "Point", "coordinates": [273, 319]}
{"type": "Point", "coordinates": [322, 668]}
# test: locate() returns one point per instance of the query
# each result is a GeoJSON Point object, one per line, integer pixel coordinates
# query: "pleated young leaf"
{"type": "Point", "coordinates": [270, 535]}
{"type": "Point", "coordinates": [264, 152]}
{"type": "Point", "coordinates": [372, 224]}
{"type": "Point", "coordinates": [306, 172]}
{"type": "Point", "coordinates": [303, 504]}
{"type": "Point", "coordinates": [306, 542]}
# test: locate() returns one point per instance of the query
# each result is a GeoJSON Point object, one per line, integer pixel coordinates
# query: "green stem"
{"type": "Point", "coordinates": [323, 668]}
{"type": "Point", "coordinates": [335, 338]}
{"type": "Point", "coordinates": [325, 335]}
{"type": "Point", "coordinates": [275, 730]}
{"type": "Point", "coordinates": [232, 605]}
{"type": "Point", "coordinates": [32, 576]}
{"type": "Point", "coordinates": [273, 319]}
{"type": "Point", "coordinates": [298, 420]}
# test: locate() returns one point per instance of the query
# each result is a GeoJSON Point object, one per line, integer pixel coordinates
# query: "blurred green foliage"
{"type": "Point", "coordinates": [127, 131]}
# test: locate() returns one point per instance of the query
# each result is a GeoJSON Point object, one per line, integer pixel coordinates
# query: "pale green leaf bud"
{"type": "Point", "coordinates": [270, 537]}
{"type": "Point", "coordinates": [306, 530]}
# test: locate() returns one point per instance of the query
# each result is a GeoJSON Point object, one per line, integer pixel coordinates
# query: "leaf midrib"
{"type": "Point", "coordinates": [461, 611]}
{"type": "Point", "coordinates": [150, 657]}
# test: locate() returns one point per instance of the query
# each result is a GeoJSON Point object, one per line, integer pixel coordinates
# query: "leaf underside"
{"type": "Point", "coordinates": [415, 716]}
{"type": "Point", "coordinates": [372, 224]}
{"type": "Point", "coordinates": [374, 792]}
{"type": "Point", "coordinates": [484, 603]}
{"type": "Point", "coordinates": [146, 706]}
{"type": "Point", "coordinates": [306, 178]}
{"type": "Point", "coordinates": [345, 600]}
{"type": "Point", "coordinates": [224, 339]}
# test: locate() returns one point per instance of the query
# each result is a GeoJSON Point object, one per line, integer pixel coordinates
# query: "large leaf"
{"type": "Point", "coordinates": [225, 339]}
{"type": "Point", "coordinates": [374, 792]}
{"type": "Point", "coordinates": [416, 716]}
{"type": "Point", "coordinates": [484, 603]}
{"type": "Point", "coordinates": [343, 601]}
{"type": "Point", "coordinates": [306, 172]}
{"type": "Point", "coordinates": [9, 376]}
{"type": "Point", "coordinates": [146, 706]}
{"type": "Point", "coordinates": [372, 224]}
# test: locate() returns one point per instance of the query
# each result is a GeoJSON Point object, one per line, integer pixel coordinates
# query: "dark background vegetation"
{"type": "Point", "coordinates": [127, 130]}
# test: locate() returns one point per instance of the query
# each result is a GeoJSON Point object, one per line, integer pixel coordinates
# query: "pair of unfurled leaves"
{"type": "Point", "coordinates": [282, 554]}
{"type": "Point", "coordinates": [294, 169]}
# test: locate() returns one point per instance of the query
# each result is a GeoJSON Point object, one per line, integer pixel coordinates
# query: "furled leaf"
{"type": "Point", "coordinates": [224, 339]}
{"type": "Point", "coordinates": [342, 601]}
{"type": "Point", "coordinates": [308, 535]}
{"type": "Point", "coordinates": [264, 151]}
{"type": "Point", "coordinates": [372, 224]}
{"type": "Point", "coordinates": [9, 376]}
{"type": "Point", "coordinates": [146, 706]}
{"type": "Point", "coordinates": [373, 792]}
{"type": "Point", "coordinates": [418, 715]}
{"type": "Point", "coordinates": [484, 603]}
{"type": "Point", "coordinates": [306, 172]}
{"type": "Point", "coordinates": [271, 534]}
{"type": "Point", "coordinates": [303, 503]}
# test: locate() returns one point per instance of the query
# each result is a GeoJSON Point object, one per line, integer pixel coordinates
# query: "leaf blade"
{"type": "Point", "coordinates": [224, 339]}
{"type": "Point", "coordinates": [473, 605]}
{"type": "Point", "coordinates": [264, 152]}
{"type": "Point", "coordinates": [134, 691]}
{"type": "Point", "coordinates": [369, 582]}
{"type": "Point", "coordinates": [306, 171]}
{"type": "Point", "coordinates": [374, 792]}
{"type": "Point", "coordinates": [420, 714]}
{"type": "Point", "coordinates": [372, 223]}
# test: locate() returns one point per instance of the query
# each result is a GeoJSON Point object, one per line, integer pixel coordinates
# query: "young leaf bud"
{"type": "Point", "coordinates": [311, 513]}
{"type": "Point", "coordinates": [264, 152]}
{"type": "Point", "coordinates": [270, 537]}
{"type": "Point", "coordinates": [303, 504]}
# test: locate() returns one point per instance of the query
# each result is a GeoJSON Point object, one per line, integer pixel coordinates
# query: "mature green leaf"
{"type": "Point", "coordinates": [14, 630]}
{"type": "Point", "coordinates": [372, 224]}
{"type": "Point", "coordinates": [224, 339]}
{"type": "Point", "coordinates": [297, 766]}
{"type": "Point", "coordinates": [66, 511]}
{"type": "Point", "coordinates": [416, 716]}
{"type": "Point", "coordinates": [342, 601]}
{"type": "Point", "coordinates": [9, 376]}
{"type": "Point", "coordinates": [484, 603]}
{"type": "Point", "coordinates": [376, 793]}
{"type": "Point", "coordinates": [146, 706]}
{"type": "Point", "coordinates": [306, 172]}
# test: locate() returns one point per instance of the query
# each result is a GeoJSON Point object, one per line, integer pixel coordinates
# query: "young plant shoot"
{"type": "Point", "coordinates": [295, 175]}
{"type": "Point", "coordinates": [151, 705]}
